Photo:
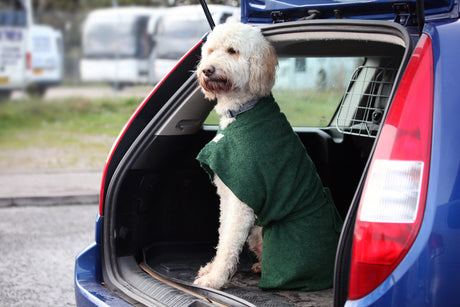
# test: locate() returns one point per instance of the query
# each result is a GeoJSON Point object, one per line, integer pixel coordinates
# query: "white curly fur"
{"type": "Point", "coordinates": [237, 65]}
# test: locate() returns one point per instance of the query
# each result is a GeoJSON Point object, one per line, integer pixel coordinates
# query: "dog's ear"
{"type": "Point", "coordinates": [262, 70]}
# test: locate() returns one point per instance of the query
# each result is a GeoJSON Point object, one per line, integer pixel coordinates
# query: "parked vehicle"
{"type": "Point", "coordinates": [15, 20]}
{"type": "Point", "coordinates": [117, 46]}
{"type": "Point", "coordinates": [179, 29]}
{"type": "Point", "coordinates": [45, 57]}
{"type": "Point", "coordinates": [386, 145]}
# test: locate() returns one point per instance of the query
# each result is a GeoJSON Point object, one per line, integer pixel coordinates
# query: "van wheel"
{"type": "Point", "coordinates": [117, 86]}
{"type": "Point", "coordinates": [36, 90]}
{"type": "Point", "coordinates": [5, 95]}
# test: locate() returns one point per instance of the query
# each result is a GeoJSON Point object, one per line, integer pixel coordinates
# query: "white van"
{"type": "Point", "coordinates": [15, 20]}
{"type": "Point", "coordinates": [179, 29]}
{"type": "Point", "coordinates": [116, 45]}
{"type": "Point", "coordinates": [45, 58]}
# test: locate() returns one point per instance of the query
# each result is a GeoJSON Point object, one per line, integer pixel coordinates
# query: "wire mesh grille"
{"type": "Point", "coordinates": [364, 102]}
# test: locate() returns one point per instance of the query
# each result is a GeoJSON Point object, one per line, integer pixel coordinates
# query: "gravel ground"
{"type": "Point", "coordinates": [34, 159]}
{"type": "Point", "coordinates": [89, 91]}
{"type": "Point", "coordinates": [38, 248]}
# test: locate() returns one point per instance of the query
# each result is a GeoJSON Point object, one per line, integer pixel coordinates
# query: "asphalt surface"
{"type": "Point", "coordinates": [38, 248]}
{"type": "Point", "coordinates": [89, 92]}
{"type": "Point", "coordinates": [46, 219]}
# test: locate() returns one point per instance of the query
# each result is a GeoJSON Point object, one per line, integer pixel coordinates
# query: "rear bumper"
{"type": "Point", "coordinates": [89, 290]}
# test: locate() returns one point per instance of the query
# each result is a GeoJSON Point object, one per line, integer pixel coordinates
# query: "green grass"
{"type": "Point", "coordinates": [64, 133]}
{"type": "Point", "coordinates": [67, 113]}
{"type": "Point", "coordinates": [62, 117]}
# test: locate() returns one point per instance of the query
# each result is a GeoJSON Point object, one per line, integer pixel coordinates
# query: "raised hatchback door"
{"type": "Point", "coordinates": [269, 11]}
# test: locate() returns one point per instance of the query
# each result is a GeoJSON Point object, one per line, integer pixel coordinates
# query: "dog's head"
{"type": "Point", "coordinates": [236, 58]}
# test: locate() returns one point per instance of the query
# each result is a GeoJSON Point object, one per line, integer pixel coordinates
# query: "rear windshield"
{"type": "Point", "coordinates": [309, 90]}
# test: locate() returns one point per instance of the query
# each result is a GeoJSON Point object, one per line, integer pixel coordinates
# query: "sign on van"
{"type": "Point", "coordinates": [10, 53]}
{"type": "Point", "coordinates": [11, 35]}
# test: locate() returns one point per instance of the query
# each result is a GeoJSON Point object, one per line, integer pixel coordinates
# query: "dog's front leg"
{"type": "Point", "coordinates": [255, 242]}
{"type": "Point", "coordinates": [236, 220]}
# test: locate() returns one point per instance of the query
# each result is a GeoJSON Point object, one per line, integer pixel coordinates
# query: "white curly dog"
{"type": "Point", "coordinates": [238, 65]}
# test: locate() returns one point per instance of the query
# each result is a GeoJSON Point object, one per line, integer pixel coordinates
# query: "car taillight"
{"type": "Point", "coordinates": [393, 199]}
{"type": "Point", "coordinates": [28, 61]}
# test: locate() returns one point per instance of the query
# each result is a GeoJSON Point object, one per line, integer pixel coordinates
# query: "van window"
{"type": "Point", "coordinates": [176, 35]}
{"type": "Point", "coordinates": [309, 90]}
{"type": "Point", "coordinates": [108, 39]}
{"type": "Point", "coordinates": [41, 44]}
{"type": "Point", "coordinates": [15, 17]}
{"type": "Point", "coordinates": [123, 37]}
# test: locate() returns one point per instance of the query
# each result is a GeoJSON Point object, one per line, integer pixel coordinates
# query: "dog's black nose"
{"type": "Point", "coordinates": [209, 70]}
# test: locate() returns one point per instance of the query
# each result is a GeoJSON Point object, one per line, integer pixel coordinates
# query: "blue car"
{"type": "Point", "coordinates": [372, 90]}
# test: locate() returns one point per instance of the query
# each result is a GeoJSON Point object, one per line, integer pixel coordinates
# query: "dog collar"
{"type": "Point", "coordinates": [248, 105]}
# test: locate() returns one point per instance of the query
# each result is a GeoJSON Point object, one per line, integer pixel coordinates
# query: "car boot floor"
{"type": "Point", "coordinates": [180, 263]}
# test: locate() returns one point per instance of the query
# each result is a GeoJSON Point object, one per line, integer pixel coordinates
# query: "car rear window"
{"type": "Point", "coordinates": [309, 90]}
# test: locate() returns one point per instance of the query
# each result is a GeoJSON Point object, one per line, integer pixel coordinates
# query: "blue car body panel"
{"type": "Point", "coordinates": [89, 290]}
{"type": "Point", "coordinates": [429, 275]}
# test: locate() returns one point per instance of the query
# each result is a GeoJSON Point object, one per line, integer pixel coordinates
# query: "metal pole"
{"type": "Point", "coordinates": [420, 15]}
{"type": "Point", "coordinates": [208, 14]}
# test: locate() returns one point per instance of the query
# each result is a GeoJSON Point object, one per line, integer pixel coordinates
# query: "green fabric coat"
{"type": "Point", "coordinates": [264, 163]}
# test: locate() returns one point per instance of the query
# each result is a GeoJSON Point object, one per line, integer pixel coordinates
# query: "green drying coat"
{"type": "Point", "coordinates": [263, 162]}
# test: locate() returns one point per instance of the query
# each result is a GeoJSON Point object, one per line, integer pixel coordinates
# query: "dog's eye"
{"type": "Point", "coordinates": [210, 51]}
{"type": "Point", "coordinates": [231, 51]}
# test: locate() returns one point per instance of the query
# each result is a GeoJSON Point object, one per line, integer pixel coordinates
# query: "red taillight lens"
{"type": "Point", "coordinates": [393, 200]}
{"type": "Point", "coordinates": [28, 61]}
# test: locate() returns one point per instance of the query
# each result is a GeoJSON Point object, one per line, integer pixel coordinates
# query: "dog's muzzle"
{"type": "Point", "coordinates": [213, 81]}
{"type": "Point", "coordinates": [209, 70]}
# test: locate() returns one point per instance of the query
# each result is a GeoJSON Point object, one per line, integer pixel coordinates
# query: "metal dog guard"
{"type": "Point", "coordinates": [363, 104]}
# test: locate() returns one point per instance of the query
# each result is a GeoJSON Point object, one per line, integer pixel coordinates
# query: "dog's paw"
{"type": "Point", "coordinates": [256, 268]}
{"type": "Point", "coordinates": [204, 270]}
{"type": "Point", "coordinates": [210, 281]}
{"type": "Point", "coordinates": [256, 242]}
